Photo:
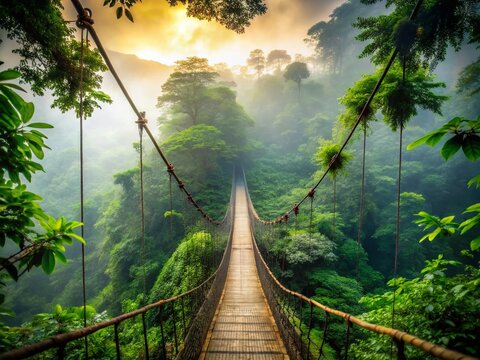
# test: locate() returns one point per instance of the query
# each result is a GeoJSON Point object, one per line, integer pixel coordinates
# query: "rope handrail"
{"type": "Point", "coordinates": [85, 21]}
{"type": "Point", "coordinates": [400, 336]}
{"type": "Point", "coordinates": [365, 109]}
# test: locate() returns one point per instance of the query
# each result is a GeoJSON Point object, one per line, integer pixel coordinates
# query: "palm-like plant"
{"type": "Point", "coordinates": [328, 156]}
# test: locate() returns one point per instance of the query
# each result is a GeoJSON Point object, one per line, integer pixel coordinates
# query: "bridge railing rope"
{"type": "Point", "coordinates": [298, 317]}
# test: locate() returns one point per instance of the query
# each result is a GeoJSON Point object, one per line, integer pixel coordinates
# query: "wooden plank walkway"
{"type": "Point", "coordinates": [243, 326]}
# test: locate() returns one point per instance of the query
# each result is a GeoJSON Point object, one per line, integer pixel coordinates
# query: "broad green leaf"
{"type": "Point", "coordinates": [452, 146]}
{"type": "Point", "coordinates": [475, 244]}
{"type": "Point", "coordinates": [37, 150]}
{"type": "Point", "coordinates": [418, 142]}
{"type": "Point", "coordinates": [77, 237]}
{"type": "Point", "coordinates": [48, 261]}
{"type": "Point", "coordinates": [471, 147]}
{"type": "Point", "coordinates": [13, 86]}
{"type": "Point", "coordinates": [27, 111]}
{"type": "Point", "coordinates": [60, 256]}
{"type": "Point", "coordinates": [119, 12]}
{"type": "Point", "coordinates": [16, 100]}
{"type": "Point", "coordinates": [40, 125]}
{"type": "Point", "coordinates": [9, 75]}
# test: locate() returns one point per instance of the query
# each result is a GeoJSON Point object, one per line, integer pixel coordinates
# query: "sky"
{"type": "Point", "coordinates": [165, 34]}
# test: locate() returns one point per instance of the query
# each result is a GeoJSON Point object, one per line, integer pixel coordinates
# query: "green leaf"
{"type": "Point", "coordinates": [27, 111]}
{"type": "Point", "coordinates": [474, 181]}
{"type": "Point", "coordinates": [471, 147]}
{"type": "Point", "coordinates": [473, 208]}
{"type": "Point", "coordinates": [128, 14]}
{"type": "Point", "coordinates": [452, 146]}
{"type": "Point", "coordinates": [475, 244]}
{"type": "Point", "coordinates": [48, 261]}
{"type": "Point", "coordinates": [78, 237]}
{"type": "Point", "coordinates": [40, 125]}
{"type": "Point", "coordinates": [13, 86]}
{"type": "Point", "coordinates": [119, 12]}
{"type": "Point", "coordinates": [60, 256]}
{"type": "Point", "coordinates": [430, 139]}
{"type": "Point", "coordinates": [9, 75]}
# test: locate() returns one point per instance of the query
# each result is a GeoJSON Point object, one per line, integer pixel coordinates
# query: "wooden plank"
{"type": "Point", "coordinates": [243, 326]}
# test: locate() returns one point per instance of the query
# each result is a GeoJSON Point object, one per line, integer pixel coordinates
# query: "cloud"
{"type": "Point", "coordinates": [166, 34]}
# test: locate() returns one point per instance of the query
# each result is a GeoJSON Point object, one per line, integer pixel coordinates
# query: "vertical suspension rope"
{"type": "Point", "coordinates": [84, 36]}
{"type": "Point", "coordinates": [141, 122]}
{"type": "Point", "coordinates": [170, 171]}
{"type": "Point", "coordinates": [362, 197]}
{"type": "Point", "coordinates": [397, 229]}
{"type": "Point", "coordinates": [334, 208]}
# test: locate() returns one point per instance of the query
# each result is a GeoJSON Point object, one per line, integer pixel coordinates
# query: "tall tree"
{"type": "Point", "coordinates": [278, 58]}
{"type": "Point", "coordinates": [297, 72]}
{"type": "Point", "coordinates": [185, 89]}
{"type": "Point", "coordinates": [256, 61]}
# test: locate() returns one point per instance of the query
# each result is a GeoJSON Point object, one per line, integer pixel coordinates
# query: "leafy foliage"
{"type": "Point", "coordinates": [50, 55]}
{"type": "Point", "coordinates": [434, 307]}
{"type": "Point", "coordinates": [464, 134]}
{"type": "Point", "coordinates": [185, 88]}
{"type": "Point", "coordinates": [20, 212]}
{"type": "Point", "coordinates": [438, 25]}
{"type": "Point", "coordinates": [399, 97]}
{"type": "Point", "coordinates": [328, 156]}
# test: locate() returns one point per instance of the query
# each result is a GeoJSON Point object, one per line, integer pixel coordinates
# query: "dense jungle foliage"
{"type": "Point", "coordinates": [284, 122]}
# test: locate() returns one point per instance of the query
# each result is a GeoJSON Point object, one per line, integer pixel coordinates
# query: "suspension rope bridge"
{"type": "Point", "coordinates": [240, 310]}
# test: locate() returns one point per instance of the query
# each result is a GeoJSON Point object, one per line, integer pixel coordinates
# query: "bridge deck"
{"type": "Point", "coordinates": [243, 326]}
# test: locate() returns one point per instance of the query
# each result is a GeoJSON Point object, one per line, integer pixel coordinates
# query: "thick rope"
{"type": "Point", "coordinates": [141, 123]}
{"type": "Point", "coordinates": [362, 197]}
{"type": "Point", "coordinates": [82, 228]}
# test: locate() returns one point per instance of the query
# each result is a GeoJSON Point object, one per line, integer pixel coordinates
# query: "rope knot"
{"type": "Point", "coordinates": [170, 168]}
{"type": "Point", "coordinates": [285, 217]}
{"type": "Point", "coordinates": [84, 19]}
{"type": "Point", "coordinates": [333, 160]}
{"type": "Point", "coordinates": [311, 193]}
{"type": "Point", "coordinates": [142, 121]}
{"type": "Point", "coordinates": [296, 209]}
{"type": "Point", "coordinates": [181, 185]}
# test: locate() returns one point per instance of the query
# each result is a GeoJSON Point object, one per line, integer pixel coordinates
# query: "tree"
{"type": "Point", "coordinates": [297, 72]}
{"type": "Point", "coordinates": [438, 25]}
{"type": "Point", "coordinates": [278, 58]}
{"type": "Point", "coordinates": [185, 88]}
{"type": "Point", "coordinates": [50, 55]}
{"type": "Point", "coordinates": [328, 156]}
{"type": "Point", "coordinates": [331, 38]}
{"type": "Point", "coordinates": [200, 148]}
{"type": "Point", "coordinates": [256, 60]}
